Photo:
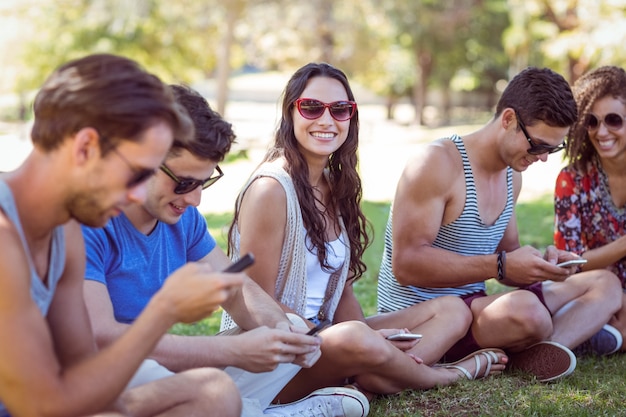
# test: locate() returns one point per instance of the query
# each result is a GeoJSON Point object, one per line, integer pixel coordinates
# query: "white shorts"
{"type": "Point", "coordinates": [257, 389]}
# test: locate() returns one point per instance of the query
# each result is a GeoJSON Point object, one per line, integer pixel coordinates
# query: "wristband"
{"type": "Point", "coordinates": [501, 265]}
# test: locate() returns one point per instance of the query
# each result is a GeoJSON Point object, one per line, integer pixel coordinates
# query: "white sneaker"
{"type": "Point", "coordinates": [325, 402]}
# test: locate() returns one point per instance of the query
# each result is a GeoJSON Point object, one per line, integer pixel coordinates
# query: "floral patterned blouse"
{"type": "Point", "coordinates": [585, 216]}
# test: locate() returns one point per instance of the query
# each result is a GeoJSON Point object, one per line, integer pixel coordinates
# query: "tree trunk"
{"type": "Point", "coordinates": [223, 65]}
{"type": "Point", "coordinates": [420, 90]}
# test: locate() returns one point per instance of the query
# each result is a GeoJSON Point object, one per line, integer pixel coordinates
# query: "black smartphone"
{"type": "Point", "coordinates": [315, 330]}
{"type": "Point", "coordinates": [241, 264]}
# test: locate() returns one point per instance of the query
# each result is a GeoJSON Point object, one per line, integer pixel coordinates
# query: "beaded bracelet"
{"type": "Point", "coordinates": [501, 265]}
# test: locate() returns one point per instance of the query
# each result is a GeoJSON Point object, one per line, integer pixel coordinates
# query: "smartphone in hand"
{"type": "Point", "coordinates": [573, 262]}
{"type": "Point", "coordinates": [241, 264]}
{"type": "Point", "coordinates": [404, 337]}
{"type": "Point", "coordinates": [315, 330]}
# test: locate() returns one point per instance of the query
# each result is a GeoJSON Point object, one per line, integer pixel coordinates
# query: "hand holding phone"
{"type": "Point", "coordinates": [573, 262]}
{"type": "Point", "coordinates": [404, 337]}
{"type": "Point", "coordinates": [241, 264]}
{"type": "Point", "coordinates": [315, 330]}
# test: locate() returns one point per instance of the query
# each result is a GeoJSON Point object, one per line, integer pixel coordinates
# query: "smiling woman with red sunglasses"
{"type": "Point", "coordinates": [300, 214]}
{"type": "Point", "coordinates": [590, 192]}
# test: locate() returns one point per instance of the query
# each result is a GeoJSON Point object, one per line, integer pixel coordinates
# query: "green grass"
{"type": "Point", "coordinates": [596, 388]}
{"type": "Point", "coordinates": [536, 222]}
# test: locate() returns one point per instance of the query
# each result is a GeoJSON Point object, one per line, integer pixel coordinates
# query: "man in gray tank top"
{"type": "Point", "coordinates": [102, 127]}
{"type": "Point", "coordinates": [452, 227]}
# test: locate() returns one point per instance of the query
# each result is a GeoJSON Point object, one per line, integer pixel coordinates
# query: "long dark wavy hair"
{"type": "Point", "coordinates": [591, 87]}
{"type": "Point", "coordinates": [345, 183]}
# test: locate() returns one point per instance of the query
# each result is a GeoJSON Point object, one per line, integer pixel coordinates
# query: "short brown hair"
{"type": "Point", "coordinates": [214, 135]}
{"type": "Point", "coordinates": [540, 95]}
{"type": "Point", "coordinates": [110, 93]}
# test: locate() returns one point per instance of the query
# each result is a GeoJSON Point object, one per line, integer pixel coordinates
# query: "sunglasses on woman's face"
{"type": "Point", "coordinates": [612, 121]}
{"type": "Point", "coordinates": [309, 108]}
{"type": "Point", "coordinates": [187, 185]}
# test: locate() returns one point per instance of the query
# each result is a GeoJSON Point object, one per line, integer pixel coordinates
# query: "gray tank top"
{"type": "Point", "coordinates": [41, 293]}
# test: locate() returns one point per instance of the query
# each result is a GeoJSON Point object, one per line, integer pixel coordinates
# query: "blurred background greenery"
{"type": "Point", "coordinates": [434, 54]}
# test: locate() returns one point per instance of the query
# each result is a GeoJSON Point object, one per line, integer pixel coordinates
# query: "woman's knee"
{"type": "Point", "coordinates": [455, 307]}
{"type": "Point", "coordinates": [355, 343]}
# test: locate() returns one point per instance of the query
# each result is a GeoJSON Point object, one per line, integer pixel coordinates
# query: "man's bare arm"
{"type": "Point", "coordinates": [251, 306]}
{"type": "Point", "coordinates": [427, 197]}
{"type": "Point", "coordinates": [36, 363]}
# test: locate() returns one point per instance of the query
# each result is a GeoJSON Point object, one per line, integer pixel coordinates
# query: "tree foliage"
{"type": "Point", "coordinates": [397, 48]}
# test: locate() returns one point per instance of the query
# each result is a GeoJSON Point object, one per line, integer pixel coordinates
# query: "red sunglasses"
{"type": "Point", "coordinates": [310, 108]}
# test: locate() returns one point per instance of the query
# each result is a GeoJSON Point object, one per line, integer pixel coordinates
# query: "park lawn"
{"type": "Point", "coordinates": [595, 389]}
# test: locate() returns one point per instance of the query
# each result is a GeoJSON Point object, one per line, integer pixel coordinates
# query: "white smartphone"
{"type": "Point", "coordinates": [404, 337]}
{"type": "Point", "coordinates": [573, 262]}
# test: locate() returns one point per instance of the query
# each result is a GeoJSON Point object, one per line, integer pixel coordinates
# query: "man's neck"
{"type": "Point", "coordinates": [143, 221]}
{"type": "Point", "coordinates": [483, 149]}
{"type": "Point", "coordinates": [38, 194]}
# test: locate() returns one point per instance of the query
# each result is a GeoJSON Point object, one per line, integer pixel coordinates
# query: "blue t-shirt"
{"type": "Point", "coordinates": [134, 266]}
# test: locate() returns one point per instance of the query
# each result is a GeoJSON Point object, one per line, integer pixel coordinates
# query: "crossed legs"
{"type": "Point", "coordinates": [583, 304]}
{"type": "Point", "coordinates": [197, 392]}
{"type": "Point", "coordinates": [352, 351]}
{"type": "Point", "coordinates": [578, 308]}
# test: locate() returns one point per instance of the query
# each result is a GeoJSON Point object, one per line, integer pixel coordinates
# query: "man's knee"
{"type": "Point", "coordinates": [456, 307]}
{"type": "Point", "coordinates": [214, 390]}
{"type": "Point", "coordinates": [528, 314]}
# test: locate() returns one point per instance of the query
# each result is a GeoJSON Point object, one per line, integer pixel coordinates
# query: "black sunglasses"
{"type": "Point", "coordinates": [537, 148]}
{"type": "Point", "coordinates": [612, 121]}
{"type": "Point", "coordinates": [140, 174]}
{"type": "Point", "coordinates": [187, 185]}
{"type": "Point", "coordinates": [310, 108]}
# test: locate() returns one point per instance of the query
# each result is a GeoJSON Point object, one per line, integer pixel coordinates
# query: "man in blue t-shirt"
{"type": "Point", "coordinates": [131, 258]}
{"type": "Point", "coordinates": [102, 126]}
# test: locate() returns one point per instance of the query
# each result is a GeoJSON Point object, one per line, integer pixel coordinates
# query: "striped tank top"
{"type": "Point", "coordinates": [467, 235]}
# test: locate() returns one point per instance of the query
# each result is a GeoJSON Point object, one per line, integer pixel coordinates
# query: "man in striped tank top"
{"type": "Point", "coordinates": [451, 229]}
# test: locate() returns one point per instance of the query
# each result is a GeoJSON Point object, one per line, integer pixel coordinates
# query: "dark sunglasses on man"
{"type": "Point", "coordinates": [537, 148]}
{"type": "Point", "coordinates": [187, 185]}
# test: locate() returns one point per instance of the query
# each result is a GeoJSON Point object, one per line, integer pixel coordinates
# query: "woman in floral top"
{"type": "Point", "coordinates": [590, 192]}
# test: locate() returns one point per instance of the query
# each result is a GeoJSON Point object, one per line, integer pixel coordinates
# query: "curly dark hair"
{"type": "Point", "coordinates": [594, 85]}
{"type": "Point", "coordinates": [539, 95]}
{"type": "Point", "coordinates": [344, 179]}
{"type": "Point", "coordinates": [214, 135]}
